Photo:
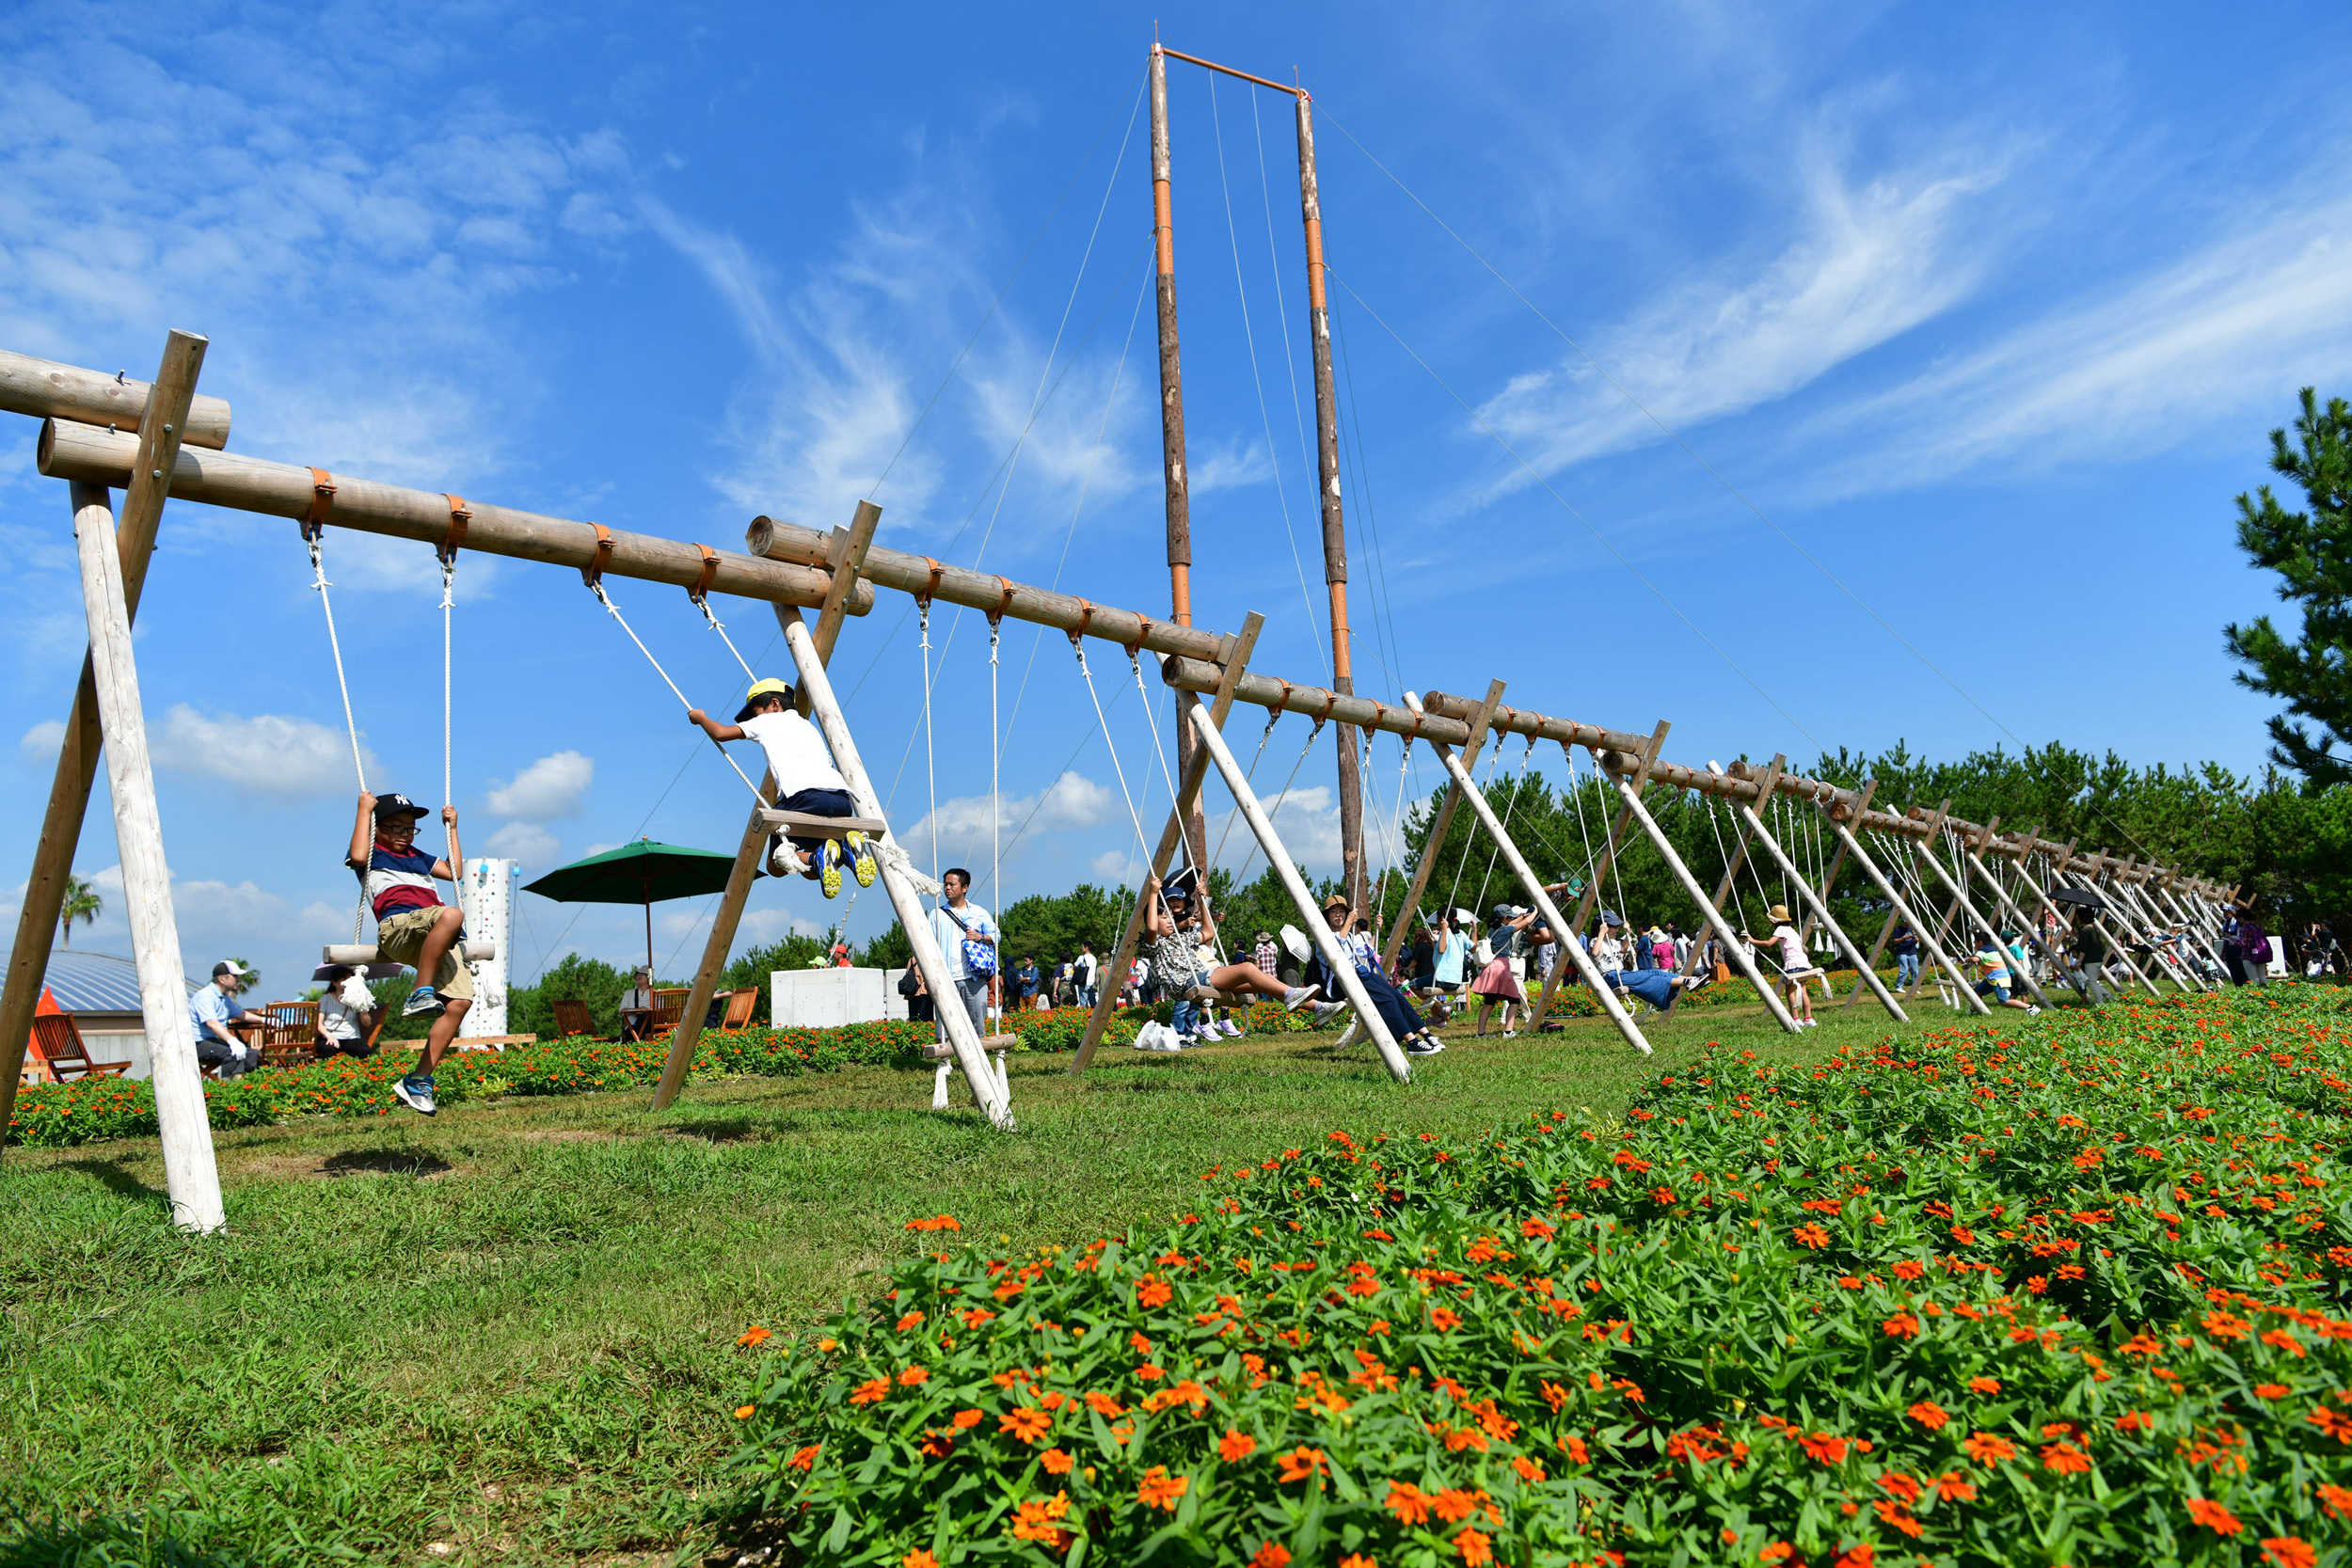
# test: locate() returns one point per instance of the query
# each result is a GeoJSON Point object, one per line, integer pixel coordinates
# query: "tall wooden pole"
{"type": "Point", "coordinates": [1334, 524]}
{"type": "Point", "coordinates": [1175, 478]}
{"type": "Point", "coordinates": [162, 426]}
{"type": "Point", "coordinates": [750, 854]}
{"type": "Point", "coordinates": [189, 1175]}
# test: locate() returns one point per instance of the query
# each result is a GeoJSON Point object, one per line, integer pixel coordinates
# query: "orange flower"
{"type": "Point", "coordinates": [1984, 1385]}
{"type": "Point", "coordinates": [1828, 1447]}
{"type": "Point", "coordinates": [753, 1337]}
{"type": "Point", "coordinates": [1160, 1489]}
{"type": "Point", "coordinates": [1910, 1269]}
{"type": "Point", "coordinates": [2065, 1459]}
{"type": "Point", "coordinates": [2290, 1551]}
{"type": "Point", "coordinates": [1528, 1468]}
{"type": "Point", "coordinates": [1445, 1319]}
{"type": "Point", "coordinates": [1269, 1555]}
{"type": "Point", "coordinates": [743, 1412]}
{"type": "Point", "coordinates": [966, 1419]}
{"type": "Point", "coordinates": [918, 1558]}
{"type": "Point", "coordinates": [913, 1377]}
{"type": "Point", "coordinates": [1024, 1422]}
{"type": "Point", "coordinates": [1538, 1229]}
{"type": "Point", "coordinates": [1151, 1291]}
{"type": "Point", "coordinates": [802, 1458]}
{"type": "Point", "coordinates": [2272, 1391]}
{"type": "Point", "coordinates": [913, 1319]}
{"type": "Point", "coordinates": [1357, 1560]}
{"type": "Point", "coordinates": [1148, 1371]}
{"type": "Point", "coordinates": [1057, 1462]}
{"type": "Point", "coordinates": [1475, 1549]}
{"type": "Point", "coordinates": [1986, 1448]}
{"type": "Point", "coordinates": [2214, 1516]}
{"type": "Point", "coordinates": [1299, 1464]}
{"type": "Point", "coordinates": [1903, 1325]}
{"type": "Point", "coordinates": [1235, 1445]}
{"type": "Point", "coordinates": [1105, 1406]}
{"type": "Point", "coordinates": [1574, 1448]}
{"type": "Point", "coordinates": [1930, 1415]}
{"type": "Point", "coordinates": [2136, 1420]}
{"type": "Point", "coordinates": [2337, 1500]}
{"type": "Point", "coordinates": [1812, 1236]}
{"type": "Point", "coordinates": [1862, 1556]}
{"type": "Point", "coordinates": [870, 1390]}
{"type": "Point", "coordinates": [1033, 1521]}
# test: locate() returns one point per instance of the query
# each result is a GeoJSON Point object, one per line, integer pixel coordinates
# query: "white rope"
{"type": "Point", "coordinates": [701, 602]}
{"type": "Point", "coordinates": [1273, 717]}
{"type": "Point", "coordinates": [1510, 809]}
{"type": "Point", "coordinates": [1250, 859]}
{"type": "Point", "coordinates": [1136, 663]}
{"type": "Point", "coordinates": [335, 646]}
{"type": "Point", "coordinates": [449, 580]}
{"type": "Point", "coordinates": [1453, 893]}
{"type": "Point", "coordinates": [930, 767]}
{"type": "Point", "coordinates": [597, 588]}
{"type": "Point", "coordinates": [1077, 645]}
{"type": "Point", "coordinates": [995, 799]}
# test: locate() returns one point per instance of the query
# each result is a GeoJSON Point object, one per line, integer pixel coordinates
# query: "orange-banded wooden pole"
{"type": "Point", "coordinates": [1334, 523]}
{"type": "Point", "coordinates": [1174, 476]}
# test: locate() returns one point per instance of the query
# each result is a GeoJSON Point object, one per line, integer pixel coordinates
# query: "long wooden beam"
{"type": "Point", "coordinates": [93, 455]}
{"type": "Point", "coordinates": [46, 390]}
{"type": "Point", "coordinates": [172, 396]}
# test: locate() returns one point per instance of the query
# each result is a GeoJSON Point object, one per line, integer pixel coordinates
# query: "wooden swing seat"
{"type": "Point", "coordinates": [357, 954]}
{"type": "Point", "coordinates": [996, 1045]}
{"type": "Point", "coordinates": [799, 824]}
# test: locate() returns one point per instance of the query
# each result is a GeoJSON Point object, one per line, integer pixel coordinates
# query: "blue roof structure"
{"type": "Point", "coordinates": [96, 982]}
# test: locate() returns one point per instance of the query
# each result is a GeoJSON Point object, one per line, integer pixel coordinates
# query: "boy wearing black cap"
{"type": "Point", "coordinates": [412, 925]}
{"type": "Point", "coordinates": [806, 782]}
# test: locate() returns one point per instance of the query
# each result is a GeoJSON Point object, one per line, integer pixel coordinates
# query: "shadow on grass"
{"type": "Point", "coordinates": [384, 1161]}
{"type": "Point", "coordinates": [111, 1176]}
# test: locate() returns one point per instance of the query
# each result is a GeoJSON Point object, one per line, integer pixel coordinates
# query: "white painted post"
{"type": "Point", "coordinates": [190, 1176]}
{"type": "Point", "coordinates": [1335, 960]}
{"type": "Point", "coordinates": [1926, 936]}
{"type": "Point", "coordinates": [987, 1087]}
{"type": "Point", "coordinates": [1567, 937]}
{"type": "Point", "coordinates": [1733, 942]}
{"type": "Point", "coordinates": [1959, 893]}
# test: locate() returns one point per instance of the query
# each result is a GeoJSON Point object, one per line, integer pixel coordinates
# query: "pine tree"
{"type": "Point", "coordinates": [2312, 552]}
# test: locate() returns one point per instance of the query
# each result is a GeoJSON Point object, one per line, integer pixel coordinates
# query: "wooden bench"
{"type": "Point", "coordinates": [942, 1053]}
{"type": "Point", "coordinates": [572, 1018]}
{"type": "Point", "coordinates": [740, 1006]}
{"type": "Point", "coordinates": [358, 954]}
{"type": "Point", "coordinates": [799, 824]}
{"type": "Point", "coordinates": [57, 1043]}
{"type": "Point", "coordinates": [491, 1043]}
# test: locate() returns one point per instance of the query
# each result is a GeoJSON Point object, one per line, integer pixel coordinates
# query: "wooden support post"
{"type": "Point", "coordinates": [1738, 852]}
{"type": "Point", "coordinates": [189, 1175]}
{"type": "Point", "coordinates": [1335, 960]}
{"type": "Point", "coordinates": [1985, 927]}
{"type": "Point", "coordinates": [1110, 980]}
{"type": "Point", "coordinates": [1591, 899]}
{"type": "Point", "coordinates": [1733, 943]}
{"type": "Point", "coordinates": [1820, 909]}
{"type": "Point", "coordinates": [169, 401]}
{"type": "Point", "coordinates": [1571, 949]}
{"type": "Point", "coordinates": [971, 1055]}
{"type": "Point", "coordinates": [1926, 939]}
{"type": "Point", "coordinates": [1437, 830]}
{"type": "Point", "coordinates": [751, 853]}
{"type": "Point", "coordinates": [1175, 474]}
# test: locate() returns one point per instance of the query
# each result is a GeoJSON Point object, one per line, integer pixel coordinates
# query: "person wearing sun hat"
{"type": "Point", "coordinates": [1408, 1027]}
{"type": "Point", "coordinates": [1796, 966]}
{"type": "Point", "coordinates": [806, 782]}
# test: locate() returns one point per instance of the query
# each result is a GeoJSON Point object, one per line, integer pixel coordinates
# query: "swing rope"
{"type": "Point", "coordinates": [1250, 859]}
{"type": "Point", "coordinates": [1135, 662]}
{"type": "Point", "coordinates": [1453, 893]}
{"type": "Point", "coordinates": [701, 602]}
{"type": "Point", "coordinates": [1274, 716]}
{"type": "Point", "coordinates": [930, 770]}
{"type": "Point", "coordinates": [310, 534]}
{"type": "Point", "coordinates": [1517, 789]}
{"type": "Point", "coordinates": [595, 586]}
{"type": "Point", "coordinates": [1077, 645]}
{"type": "Point", "coordinates": [996, 790]}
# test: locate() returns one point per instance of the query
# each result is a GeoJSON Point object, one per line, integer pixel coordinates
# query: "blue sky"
{"type": "Point", "coordinates": [1987, 313]}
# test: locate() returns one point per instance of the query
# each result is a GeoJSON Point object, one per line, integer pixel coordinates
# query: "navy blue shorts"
{"type": "Point", "coordinates": [817, 802]}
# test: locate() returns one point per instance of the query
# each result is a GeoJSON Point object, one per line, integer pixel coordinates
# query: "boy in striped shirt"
{"type": "Point", "coordinates": [413, 927]}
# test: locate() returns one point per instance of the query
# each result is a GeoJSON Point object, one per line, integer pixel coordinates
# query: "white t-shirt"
{"type": "Point", "coordinates": [1085, 969]}
{"type": "Point", "coordinates": [943, 928]}
{"type": "Point", "coordinates": [1792, 954]}
{"type": "Point", "coordinates": [795, 753]}
{"type": "Point", "coordinates": [340, 1014]}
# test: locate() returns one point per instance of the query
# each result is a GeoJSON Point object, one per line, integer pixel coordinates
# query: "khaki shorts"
{"type": "Point", "coordinates": [401, 938]}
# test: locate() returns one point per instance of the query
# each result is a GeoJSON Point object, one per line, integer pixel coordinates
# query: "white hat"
{"type": "Point", "coordinates": [229, 966]}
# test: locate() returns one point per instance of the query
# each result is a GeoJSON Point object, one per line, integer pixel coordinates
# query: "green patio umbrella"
{"type": "Point", "coordinates": [640, 873]}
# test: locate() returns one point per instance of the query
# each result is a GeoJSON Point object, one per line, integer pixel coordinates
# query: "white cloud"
{"type": "Point", "coordinates": [2134, 367]}
{"type": "Point", "coordinates": [1871, 260]}
{"type": "Point", "coordinates": [1228, 466]}
{"type": "Point", "coordinates": [1071, 803]}
{"type": "Point", "coordinates": [268, 754]}
{"type": "Point", "coordinates": [40, 744]}
{"type": "Point", "coordinates": [1117, 866]}
{"type": "Point", "coordinates": [526, 842]}
{"type": "Point", "coordinates": [765, 925]}
{"type": "Point", "coordinates": [552, 787]}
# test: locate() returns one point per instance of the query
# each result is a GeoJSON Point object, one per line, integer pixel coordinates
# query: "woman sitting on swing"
{"type": "Point", "coordinates": [1177, 930]}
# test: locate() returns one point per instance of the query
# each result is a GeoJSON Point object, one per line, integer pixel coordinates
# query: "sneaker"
{"type": "Point", "coordinates": [424, 999]}
{"type": "Point", "coordinates": [1231, 1030]}
{"type": "Point", "coordinates": [1297, 997]}
{"type": "Point", "coordinates": [1325, 1011]}
{"type": "Point", "coordinates": [862, 863]}
{"type": "Point", "coordinates": [415, 1092]}
{"type": "Point", "coordinates": [2033, 1013]}
{"type": "Point", "coordinates": [1423, 1045]}
{"type": "Point", "coordinates": [828, 861]}
{"type": "Point", "coordinates": [1510, 1034]}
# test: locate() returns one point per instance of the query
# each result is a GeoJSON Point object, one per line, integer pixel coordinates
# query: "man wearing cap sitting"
{"type": "Point", "coordinates": [213, 1008]}
{"type": "Point", "coordinates": [806, 782]}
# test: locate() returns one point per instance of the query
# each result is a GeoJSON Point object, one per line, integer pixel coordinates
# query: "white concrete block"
{"type": "Point", "coordinates": [827, 998]}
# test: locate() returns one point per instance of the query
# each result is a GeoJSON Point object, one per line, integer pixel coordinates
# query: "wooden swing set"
{"type": "Point", "coordinates": [164, 439]}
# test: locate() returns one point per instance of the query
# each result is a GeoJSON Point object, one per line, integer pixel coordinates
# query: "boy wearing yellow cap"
{"type": "Point", "coordinates": [806, 782]}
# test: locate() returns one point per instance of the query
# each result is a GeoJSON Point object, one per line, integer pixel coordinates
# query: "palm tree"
{"type": "Point", "coordinates": [82, 903]}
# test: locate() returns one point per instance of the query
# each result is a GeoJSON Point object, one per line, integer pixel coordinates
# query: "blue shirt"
{"type": "Point", "coordinates": [1451, 956]}
{"type": "Point", "coordinates": [208, 1005]}
{"type": "Point", "coordinates": [1653, 985]}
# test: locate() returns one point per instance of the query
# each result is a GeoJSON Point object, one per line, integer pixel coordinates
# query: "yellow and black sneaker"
{"type": "Point", "coordinates": [829, 868]}
{"type": "Point", "coordinates": [862, 863]}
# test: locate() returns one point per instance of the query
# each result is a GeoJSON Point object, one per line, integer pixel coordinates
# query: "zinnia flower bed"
{"type": "Point", "coordinates": [90, 1109]}
{"type": "Point", "coordinates": [2062, 1291]}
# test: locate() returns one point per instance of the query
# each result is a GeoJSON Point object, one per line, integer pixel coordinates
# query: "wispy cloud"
{"type": "Point", "coordinates": [267, 753]}
{"type": "Point", "coordinates": [2127, 368]}
{"type": "Point", "coordinates": [1871, 258]}
{"type": "Point", "coordinates": [552, 787]}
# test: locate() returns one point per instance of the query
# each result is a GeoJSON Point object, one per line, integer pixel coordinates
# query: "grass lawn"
{"type": "Point", "coordinates": [508, 1333]}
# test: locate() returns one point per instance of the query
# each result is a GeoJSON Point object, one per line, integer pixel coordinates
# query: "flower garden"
{"type": "Point", "coordinates": [2068, 1290]}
